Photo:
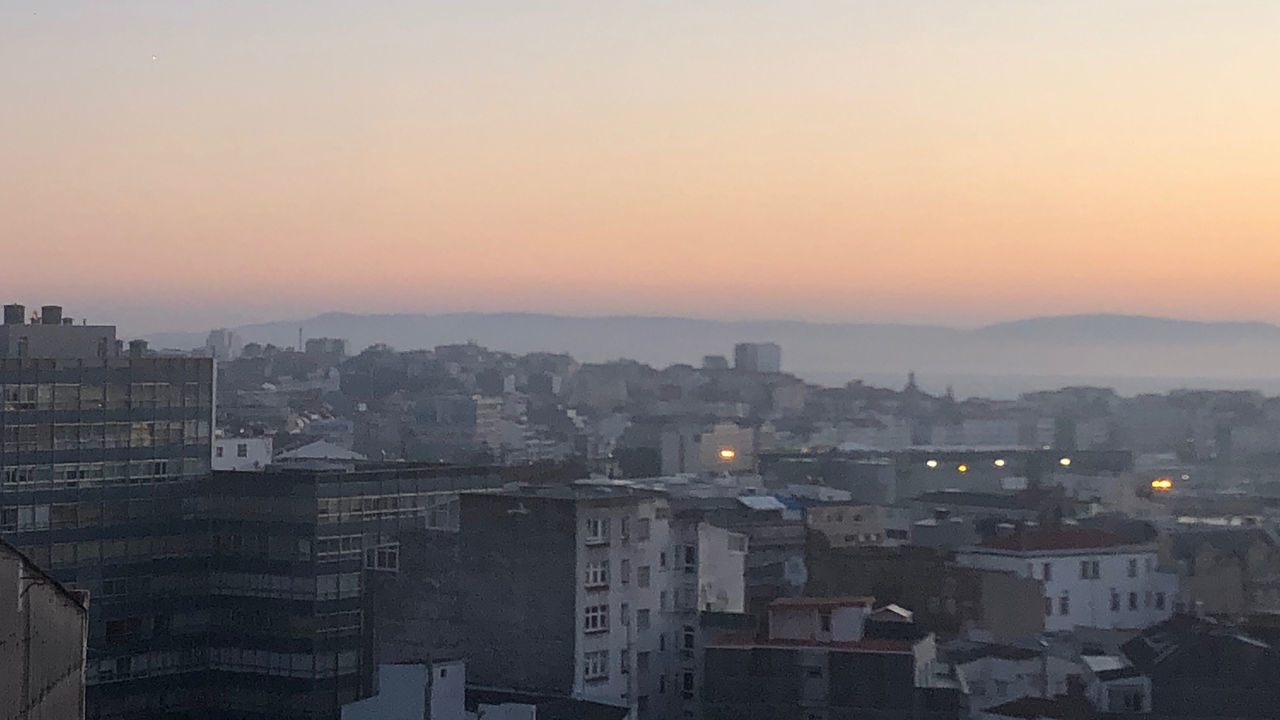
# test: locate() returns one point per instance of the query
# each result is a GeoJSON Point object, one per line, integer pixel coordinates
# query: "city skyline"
{"type": "Point", "coordinates": [924, 162]}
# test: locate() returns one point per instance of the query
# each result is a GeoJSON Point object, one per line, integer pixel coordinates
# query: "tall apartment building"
{"type": "Point", "coordinates": [593, 592]}
{"type": "Point", "coordinates": [100, 452]}
{"type": "Point", "coordinates": [292, 551]}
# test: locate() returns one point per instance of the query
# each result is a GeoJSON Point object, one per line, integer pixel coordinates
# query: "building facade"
{"type": "Point", "coordinates": [1091, 578]}
{"type": "Point", "coordinates": [292, 551]}
{"type": "Point", "coordinates": [44, 630]}
{"type": "Point", "coordinates": [100, 452]}
{"type": "Point", "coordinates": [610, 590]}
{"type": "Point", "coordinates": [815, 661]}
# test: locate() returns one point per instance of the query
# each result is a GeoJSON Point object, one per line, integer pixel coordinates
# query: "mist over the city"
{"type": "Point", "coordinates": [667, 361]}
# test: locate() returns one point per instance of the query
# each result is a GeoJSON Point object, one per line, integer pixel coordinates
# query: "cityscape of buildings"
{"type": "Point", "coordinates": [245, 532]}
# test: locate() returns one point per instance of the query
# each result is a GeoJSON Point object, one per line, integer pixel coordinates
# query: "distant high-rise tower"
{"type": "Point", "coordinates": [757, 357]}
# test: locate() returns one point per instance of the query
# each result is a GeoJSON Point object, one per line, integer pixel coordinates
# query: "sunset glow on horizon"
{"type": "Point", "coordinates": [908, 161]}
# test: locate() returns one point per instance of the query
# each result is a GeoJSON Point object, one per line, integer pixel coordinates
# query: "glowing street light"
{"type": "Point", "coordinates": [963, 468]}
{"type": "Point", "coordinates": [1162, 483]}
{"type": "Point", "coordinates": [728, 453]}
{"type": "Point", "coordinates": [999, 462]}
{"type": "Point", "coordinates": [931, 463]}
{"type": "Point", "coordinates": [1065, 462]}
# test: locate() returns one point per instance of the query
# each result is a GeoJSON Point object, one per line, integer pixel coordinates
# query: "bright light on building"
{"type": "Point", "coordinates": [1186, 477]}
{"type": "Point", "coordinates": [931, 463]}
{"type": "Point", "coordinates": [1065, 462]}
{"type": "Point", "coordinates": [963, 468]}
{"type": "Point", "coordinates": [999, 462]}
{"type": "Point", "coordinates": [728, 453]}
{"type": "Point", "coordinates": [1162, 483]}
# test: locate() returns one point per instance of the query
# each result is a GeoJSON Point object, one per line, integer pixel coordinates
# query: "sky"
{"type": "Point", "coordinates": [183, 165]}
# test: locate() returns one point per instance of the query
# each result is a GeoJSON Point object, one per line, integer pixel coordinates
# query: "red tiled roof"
{"type": "Point", "coordinates": [1034, 708]}
{"type": "Point", "coordinates": [751, 640]}
{"type": "Point", "coordinates": [1066, 538]}
{"type": "Point", "coordinates": [823, 602]}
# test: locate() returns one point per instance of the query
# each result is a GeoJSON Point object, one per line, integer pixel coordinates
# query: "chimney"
{"type": "Point", "coordinates": [941, 514]}
{"type": "Point", "coordinates": [137, 348]}
{"type": "Point", "coordinates": [15, 314]}
{"type": "Point", "coordinates": [68, 321]}
{"type": "Point", "coordinates": [51, 315]}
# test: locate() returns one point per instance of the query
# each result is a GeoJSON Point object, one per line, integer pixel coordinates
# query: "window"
{"type": "Point", "coordinates": [1133, 567]}
{"type": "Point", "coordinates": [662, 642]}
{"type": "Point", "coordinates": [1089, 570]}
{"type": "Point", "coordinates": [642, 620]}
{"type": "Point", "coordinates": [625, 570]}
{"type": "Point", "coordinates": [624, 661]}
{"type": "Point", "coordinates": [624, 612]}
{"type": "Point", "coordinates": [1133, 601]}
{"type": "Point", "coordinates": [1084, 569]}
{"type": "Point", "coordinates": [642, 576]}
{"type": "Point", "coordinates": [1095, 567]}
{"type": "Point", "coordinates": [1115, 600]}
{"type": "Point", "coordinates": [217, 452]}
{"type": "Point", "coordinates": [595, 665]}
{"type": "Point", "coordinates": [242, 450]}
{"type": "Point", "coordinates": [595, 618]}
{"type": "Point", "coordinates": [662, 600]}
{"type": "Point", "coordinates": [690, 558]}
{"type": "Point", "coordinates": [383, 558]}
{"type": "Point", "coordinates": [624, 529]}
{"type": "Point", "coordinates": [598, 574]}
{"type": "Point", "coordinates": [662, 561]}
{"type": "Point", "coordinates": [597, 531]}
{"type": "Point", "coordinates": [688, 682]}
{"type": "Point", "coordinates": [825, 618]}
{"type": "Point", "coordinates": [1064, 604]}
{"type": "Point", "coordinates": [642, 529]}
{"type": "Point", "coordinates": [689, 637]}
{"type": "Point", "coordinates": [642, 662]}
{"type": "Point", "coordinates": [1159, 601]}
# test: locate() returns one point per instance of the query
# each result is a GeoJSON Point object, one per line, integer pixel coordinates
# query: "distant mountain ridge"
{"type": "Point", "coordinates": [1102, 345]}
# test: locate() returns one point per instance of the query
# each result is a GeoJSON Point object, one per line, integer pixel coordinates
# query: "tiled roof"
{"type": "Point", "coordinates": [751, 640]}
{"type": "Point", "coordinates": [823, 602]}
{"type": "Point", "coordinates": [1064, 538]}
{"type": "Point", "coordinates": [1034, 708]}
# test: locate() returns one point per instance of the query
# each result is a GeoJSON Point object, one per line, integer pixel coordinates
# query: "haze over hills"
{"type": "Point", "coordinates": [1131, 353]}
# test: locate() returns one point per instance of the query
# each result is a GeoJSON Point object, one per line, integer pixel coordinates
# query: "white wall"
{"type": "Point", "coordinates": [721, 569]}
{"type": "Point", "coordinates": [226, 453]}
{"type": "Point", "coordinates": [1089, 599]}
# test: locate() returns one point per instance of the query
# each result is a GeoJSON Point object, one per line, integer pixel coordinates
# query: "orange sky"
{"type": "Point", "coordinates": [929, 161]}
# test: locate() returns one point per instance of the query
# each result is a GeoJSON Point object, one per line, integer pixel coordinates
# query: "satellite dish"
{"type": "Point", "coordinates": [795, 572]}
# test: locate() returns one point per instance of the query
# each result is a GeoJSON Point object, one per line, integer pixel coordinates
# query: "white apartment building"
{"type": "Point", "coordinates": [1091, 578]}
{"type": "Point", "coordinates": [639, 580]}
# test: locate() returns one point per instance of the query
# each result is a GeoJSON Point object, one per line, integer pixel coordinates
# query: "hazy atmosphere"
{"type": "Point", "coordinates": [667, 360]}
{"type": "Point", "coordinates": [929, 162]}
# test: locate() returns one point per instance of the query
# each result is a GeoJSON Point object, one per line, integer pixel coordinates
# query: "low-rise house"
{"type": "Point", "coordinates": [1091, 578]}
{"type": "Point", "coordinates": [816, 660]}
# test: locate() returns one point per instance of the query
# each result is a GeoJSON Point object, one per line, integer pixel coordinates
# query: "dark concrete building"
{"type": "Point", "coordinates": [946, 599]}
{"type": "Point", "coordinates": [817, 661]}
{"type": "Point", "coordinates": [99, 455]}
{"type": "Point", "coordinates": [292, 553]}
